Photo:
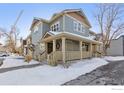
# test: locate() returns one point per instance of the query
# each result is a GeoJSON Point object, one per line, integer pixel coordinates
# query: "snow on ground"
{"type": "Point", "coordinates": [13, 61]}
{"type": "Point", "coordinates": [114, 58]}
{"type": "Point", "coordinates": [48, 75]}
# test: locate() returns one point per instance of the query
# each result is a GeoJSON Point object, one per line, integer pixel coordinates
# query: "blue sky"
{"type": "Point", "coordinates": [9, 13]}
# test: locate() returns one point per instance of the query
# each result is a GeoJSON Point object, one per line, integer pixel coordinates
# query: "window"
{"type": "Point", "coordinates": [83, 29]}
{"type": "Point", "coordinates": [85, 47]}
{"type": "Point", "coordinates": [52, 28]}
{"type": "Point", "coordinates": [79, 27]}
{"type": "Point", "coordinates": [75, 26]}
{"type": "Point", "coordinates": [55, 27]}
{"type": "Point", "coordinates": [36, 29]}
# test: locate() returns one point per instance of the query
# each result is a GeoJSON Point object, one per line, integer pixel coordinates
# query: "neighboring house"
{"type": "Point", "coordinates": [26, 46]}
{"type": "Point", "coordinates": [38, 28]}
{"type": "Point", "coordinates": [116, 47]}
{"type": "Point", "coordinates": [66, 36]}
{"type": "Point", "coordinates": [92, 35]}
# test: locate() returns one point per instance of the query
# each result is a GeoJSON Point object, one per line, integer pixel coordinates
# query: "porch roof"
{"type": "Point", "coordinates": [71, 35]}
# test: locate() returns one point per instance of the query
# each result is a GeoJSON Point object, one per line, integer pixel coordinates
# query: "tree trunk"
{"type": "Point", "coordinates": [105, 50]}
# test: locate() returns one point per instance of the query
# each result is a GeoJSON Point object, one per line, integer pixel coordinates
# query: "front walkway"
{"type": "Point", "coordinates": [2, 70]}
{"type": "Point", "coordinates": [12, 63]}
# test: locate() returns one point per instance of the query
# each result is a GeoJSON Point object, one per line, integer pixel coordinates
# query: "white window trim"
{"type": "Point", "coordinates": [55, 25]}
{"type": "Point", "coordinates": [80, 27]}
{"type": "Point", "coordinates": [74, 22]}
{"type": "Point", "coordinates": [36, 29]}
{"type": "Point", "coordinates": [81, 30]}
{"type": "Point", "coordinates": [37, 25]}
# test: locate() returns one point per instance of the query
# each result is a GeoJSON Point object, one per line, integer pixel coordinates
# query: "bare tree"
{"type": "Point", "coordinates": [110, 23]}
{"type": "Point", "coordinates": [11, 39]}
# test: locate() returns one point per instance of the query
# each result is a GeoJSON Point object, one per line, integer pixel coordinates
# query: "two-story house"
{"type": "Point", "coordinates": [26, 46]}
{"type": "Point", "coordinates": [38, 28]}
{"type": "Point", "coordinates": [66, 36]}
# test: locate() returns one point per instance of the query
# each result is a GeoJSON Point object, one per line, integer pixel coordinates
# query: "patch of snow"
{"type": "Point", "coordinates": [83, 37]}
{"type": "Point", "coordinates": [55, 33]}
{"type": "Point", "coordinates": [114, 58]}
{"type": "Point", "coordinates": [48, 75]}
{"type": "Point", "coordinates": [13, 61]}
{"type": "Point", "coordinates": [92, 37]}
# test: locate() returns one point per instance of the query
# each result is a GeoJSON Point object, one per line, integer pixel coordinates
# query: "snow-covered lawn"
{"type": "Point", "coordinates": [48, 75]}
{"type": "Point", "coordinates": [114, 58]}
{"type": "Point", "coordinates": [13, 61]}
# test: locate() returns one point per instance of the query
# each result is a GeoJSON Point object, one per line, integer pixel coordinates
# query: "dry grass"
{"type": "Point", "coordinates": [28, 58]}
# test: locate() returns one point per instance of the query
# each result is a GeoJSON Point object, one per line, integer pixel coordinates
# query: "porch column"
{"type": "Point", "coordinates": [95, 50]}
{"type": "Point", "coordinates": [54, 45]}
{"type": "Point", "coordinates": [91, 50]}
{"type": "Point", "coordinates": [81, 48]}
{"type": "Point", "coordinates": [63, 49]}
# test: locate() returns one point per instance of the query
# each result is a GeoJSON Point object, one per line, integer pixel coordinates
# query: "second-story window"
{"type": "Point", "coordinates": [79, 27]}
{"type": "Point", "coordinates": [55, 27]}
{"type": "Point", "coordinates": [36, 29]}
{"type": "Point", "coordinates": [83, 29]}
{"type": "Point", "coordinates": [75, 26]}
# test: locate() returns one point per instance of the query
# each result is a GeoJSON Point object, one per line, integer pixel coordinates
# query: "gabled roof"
{"type": "Point", "coordinates": [36, 20]}
{"type": "Point", "coordinates": [56, 15]}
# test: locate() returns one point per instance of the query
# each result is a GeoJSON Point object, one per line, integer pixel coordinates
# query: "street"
{"type": "Point", "coordinates": [110, 74]}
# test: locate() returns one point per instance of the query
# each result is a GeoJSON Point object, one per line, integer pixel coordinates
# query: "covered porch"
{"type": "Point", "coordinates": [64, 47]}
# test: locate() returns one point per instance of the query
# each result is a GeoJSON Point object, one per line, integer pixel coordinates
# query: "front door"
{"type": "Point", "coordinates": [50, 47]}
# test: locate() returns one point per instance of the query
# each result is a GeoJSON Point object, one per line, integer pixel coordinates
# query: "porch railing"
{"type": "Point", "coordinates": [56, 56]}
{"type": "Point", "coordinates": [86, 54]}
{"type": "Point", "coordinates": [42, 56]}
{"type": "Point", "coordinates": [98, 54]}
{"type": "Point", "coordinates": [71, 55]}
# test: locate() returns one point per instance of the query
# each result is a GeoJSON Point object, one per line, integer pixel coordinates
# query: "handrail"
{"type": "Point", "coordinates": [54, 57]}
{"type": "Point", "coordinates": [43, 52]}
{"type": "Point", "coordinates": [42, 56]}
{"type": "Point", "coordinates": [99, 53]}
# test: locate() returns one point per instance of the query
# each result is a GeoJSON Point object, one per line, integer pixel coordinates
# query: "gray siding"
{"type": "Point", "coordinates": [116, 47]}
{"type": "Point", "coordinates": [36, 36]}
{"type": "Point", "coordinates": [69, 27]}
{"type": "Point", "coordinates": [42, 29]}
{"type": "Point", "coordinates": [45, 28]}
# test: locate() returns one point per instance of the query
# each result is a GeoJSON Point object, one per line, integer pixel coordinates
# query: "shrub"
{"type": "Point", "coordinates": [28, 58]}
